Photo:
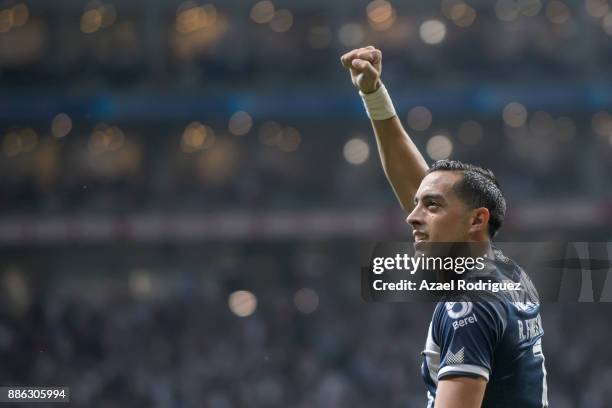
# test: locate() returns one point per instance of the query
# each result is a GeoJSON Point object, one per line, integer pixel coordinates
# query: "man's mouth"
{"type": "Point", "coordinates": [419, 236]}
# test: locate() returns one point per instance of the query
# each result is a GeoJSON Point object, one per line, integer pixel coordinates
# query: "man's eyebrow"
{"type": "Point", "coordinates": [437, 197]}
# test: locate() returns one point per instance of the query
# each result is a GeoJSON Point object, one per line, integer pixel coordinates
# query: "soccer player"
{"type": "Point", "coordinates": [477, 354]}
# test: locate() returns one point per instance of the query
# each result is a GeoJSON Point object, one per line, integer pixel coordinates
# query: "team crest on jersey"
{"type": "Point", "coordinates": [457, 310]}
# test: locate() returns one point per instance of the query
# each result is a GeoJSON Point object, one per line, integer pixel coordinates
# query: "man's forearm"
{"type": "Point", "coordinates": [402, 162]}
{"type": "Point", "coordinates": [460, 392]}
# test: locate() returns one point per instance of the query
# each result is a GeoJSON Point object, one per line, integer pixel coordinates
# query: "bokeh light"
{"type": "Point", "coordinates": [141, 283]}
{"type": "Point", "coordinates": [290, 140]}
{"type": "Point", "coordinates": [106, 138]}
{"type": "Point", "coordinates": [240, 123]}
{"type": "Point", "coordinates": [282, 21]}
{"type": "Point", "coordinates": [16, 16]}
{"type": "Point", "coordinates": [381, 14]}
{"type": "Point", "coordinates": [514, 114]}
{"type": "Point", "coordinates": [262, 12]}
{"type": "Point", "coordinates": [306, 300]}
{"type": "Point", "coordinates": [190, 17]}
{"type": "Point", "coordinates": [439, 147]}
{"type": "Point", "coordinates": [19, 141]}
{"type": "Point", "coordinates": [356, 151]}
{"type": "Point", "coordinates": [197, 136]}
{"type": "Point", "coordinates": [597, 8]}
{"type": "Point", "coordinates": [20, 16]}
{"type": "Point", "coordinates": [91, 21]}
{"type": "Point", "coordinates": [242, 303]}
{"type": "Point", "coordinates": [557, 12]}
{"type": "Point", "coordinates": [419, 118]}
{"type": "Point", "coordinates": [462, 15]}
{"type": "Point", "coordinates": [379, 10]}
{"type": "Point", "coordinates": [432, 31]}
{"type": "Point", "coordinates": [97, 15]}
{"type": "Point", "coordinates": [447, 7]}
{"type": "Point", "coordinates": [61, 125]}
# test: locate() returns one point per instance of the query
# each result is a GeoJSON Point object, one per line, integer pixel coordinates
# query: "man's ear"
{"type": "Point", "coordinates": [480, 219]}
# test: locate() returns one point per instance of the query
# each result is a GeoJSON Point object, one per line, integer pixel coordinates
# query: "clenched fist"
{"type": "Point", "coordinates": [365, 65]}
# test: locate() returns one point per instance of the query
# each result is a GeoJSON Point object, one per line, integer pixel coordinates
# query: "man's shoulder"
{"type": "Point", "coordinates": [457, 311]}
{"type": "Point", "coordinates": [506, 270]}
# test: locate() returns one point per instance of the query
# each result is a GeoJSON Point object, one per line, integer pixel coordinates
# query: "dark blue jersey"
{"type": "Point", "coordinates": [499, 339]}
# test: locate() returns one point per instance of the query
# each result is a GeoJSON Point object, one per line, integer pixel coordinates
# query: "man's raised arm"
{"type": "Point", "coordinates": [402, 162]}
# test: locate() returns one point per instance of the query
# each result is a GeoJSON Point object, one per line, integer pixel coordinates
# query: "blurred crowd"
{"type": "Point", "coordinates": [279, 166]}
{"type": "Point", "coordinates": [161, 328]}
{"type": "Point", "coordinates": [218, 108]}
{"type": "Point", "coordinates": [194, 106]}
{"type": "Point", "coordinates": [265, 43]}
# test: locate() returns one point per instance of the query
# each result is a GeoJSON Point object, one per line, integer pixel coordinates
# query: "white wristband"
{"type": "Point", "coordinates": [378, 104]}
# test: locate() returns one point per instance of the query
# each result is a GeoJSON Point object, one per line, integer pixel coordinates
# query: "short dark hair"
{"type": "Point", "coordinates": [477, 188]}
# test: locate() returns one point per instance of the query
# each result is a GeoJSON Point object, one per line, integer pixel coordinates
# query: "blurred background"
{"type": "Point", "coordinates": [188, 189]}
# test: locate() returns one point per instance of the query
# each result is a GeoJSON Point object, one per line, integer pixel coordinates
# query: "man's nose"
{"type": "Point", "coordinates": [414, 218]}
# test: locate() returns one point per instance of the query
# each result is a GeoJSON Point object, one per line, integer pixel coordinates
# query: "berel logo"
{"type": "Point", "coordinates": [464, 322]}
{"type": "Point", "coordinates": [457, 310]}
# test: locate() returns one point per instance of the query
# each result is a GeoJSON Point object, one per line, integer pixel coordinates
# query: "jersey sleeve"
{"type": "Point", "coordinates": [467, 334]}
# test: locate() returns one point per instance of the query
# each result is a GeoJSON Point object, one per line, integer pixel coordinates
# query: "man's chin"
{"type": "Point", "coordinates": [420, 247]}
{"type": "Point", "coordinates": [429, 247]}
